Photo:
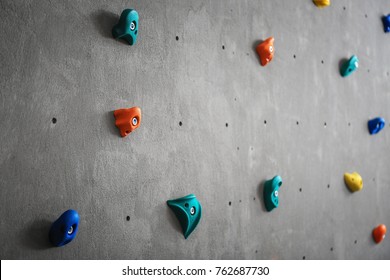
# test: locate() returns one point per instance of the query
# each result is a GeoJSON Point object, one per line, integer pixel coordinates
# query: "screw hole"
{"type": "Point", "coordinates": [180, 123]}
{"type": "Point", "coordinates": [54, 120]}
{"type": "Point", "coordinates": [223, 47]}
{"type": "Point", "coordinates": [300, 189]}
{"type": "Point", "coordinates": [322, 61]}
{"type": "Point", "coordinates": [294, 56]}
{"type": "Point", "coordinates": [297, 122]}
{"type": "Point", "coordinates": [324, 124]}
{"type": "Point", "coordinates": [128, 218]}
{"type": "Point", "coordinates": [265, 121]}
{"type": "Point", "coordinates": [186, 205]}
{"type": "Point", "coordinates": [328, 186]}
{"type": "Point", "coordinates": [344, 8]}
{"type": "Point", "coordinates": [227, 124]}
{"type": "Point", "coordinates": [331, 249]}
{"type": "Point", "coordinates": [355, 241]}
{"type": "Point", "coordinates": [230, 203]}
{"type": "Point", "coordinates": [177, 38]}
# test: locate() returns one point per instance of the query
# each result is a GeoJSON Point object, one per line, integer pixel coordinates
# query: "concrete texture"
{"type": "Point", "coordinates": [241, 124]}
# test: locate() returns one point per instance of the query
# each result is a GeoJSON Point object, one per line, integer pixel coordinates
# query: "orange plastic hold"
{"type": "Point", "coordinates": [379, 233]}
{"type": "Point", "coordinates": [265, 50]}
{"type": "Point", "coordinates": [127, 120]}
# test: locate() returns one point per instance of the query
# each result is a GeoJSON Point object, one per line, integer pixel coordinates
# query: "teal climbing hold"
{"type": "Point", "coordinates": [188, 211]}
{"type": "Point", "coordinates": [271, 193]}
{"type": "Point", "coordinates": [127, 27]}
{"type": "Point", "coordinates": [349, 66]}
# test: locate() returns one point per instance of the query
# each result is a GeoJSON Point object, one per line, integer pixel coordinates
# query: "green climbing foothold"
{"type": "Point", "coordinates": [188, 211]}
{"type": "Point", "coordinates": [127, 27]}
{"type": "Point", "coordinates": [271, 193]}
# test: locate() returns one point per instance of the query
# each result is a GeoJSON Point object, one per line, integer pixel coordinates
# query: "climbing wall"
{"type": "Point", "coordinates": [214, 123]}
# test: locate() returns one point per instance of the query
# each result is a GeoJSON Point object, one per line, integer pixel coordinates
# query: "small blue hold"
{"type": "Point", "coordinates": [386, 23]}
{"type": "Point", "coordinates": [64, 229]}
{"type": "Point", "coordinates": [376, 125]}
{"type": "Point", "coordinates": [271, 193]}
{"type": "Point", "coordinates": [349, 66]}
{"type": "Point", "coordinates": [127, 27]}
{"type": "Point", "coordinates": [188, 211]}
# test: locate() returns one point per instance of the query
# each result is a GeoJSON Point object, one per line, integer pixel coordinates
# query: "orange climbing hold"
{"type": "Point", "coordinates": [379, 233]}
{"type": "Point", "coordinates": [127, 120]}
{"type": "Point", "coordinates": [265, 50]}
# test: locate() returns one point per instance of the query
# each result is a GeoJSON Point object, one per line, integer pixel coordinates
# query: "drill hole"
{"type": "Point", "coordinates": [230, 203]}
{"type": "Point", "coordinates": [186, 205]}
{"type": "Point", "coordinates": [300, 189]}
{"type": "Point", "coordinates": [227, 124]}
{"type": "Point", "coordinates": [265, 121]}
{"type": "Point", "coordinates": [331, 249]}
{"type": "Point", "coordinates": [297, 122]}
{"type": "Point", "coordinates": [180, 123]}
{"type": "Point", "coordinates": [223, 47]}
{"type": "Point", "coordinates": [177, 38]}
{"type": "Point", "coordinates": [328, 186]}
{"type": "Point", "coordinates": [355, 241]}
{"type": "Point", "coordinates": [304, 258]}
{"type": "Point", "coordinates": [322, 61]}
{"type": "Point", "coordinates": [128, 218]}
{"type": "Point", "coordinates": [54, 120]}
{"type": "Point", "coordinates": [324, 124]}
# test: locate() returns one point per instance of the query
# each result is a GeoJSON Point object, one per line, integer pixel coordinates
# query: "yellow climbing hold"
{"type": "Point", "coordinates": [354, 181]}
{"type": "Point", "coordinates": [321, 3]}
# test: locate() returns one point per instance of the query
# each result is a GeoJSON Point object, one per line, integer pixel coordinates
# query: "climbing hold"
{"type": "Point", "coordinates": [386, 23]}
{"type": "Point", "coordinates": [379, 233]}
{"type": "Point", "coordinates": [353, 181]}
{"type": "Point", "coordinates": [64, 229]}
{"type": "Point", "coordinates": [127, 27]}
{"type": "Point", "coordinates": [188, 211]}
{"type": "Point", "coordinates": [271, 193]}
{"type": "Point", "coordinates": [265, 50]}
{"type": "Point", "coordinates": [127, 120]}
{"type": "Point", "coordinates": [376, 125]}
{"type": "Point", "coordinates": [349, 66]}
{"type": "Point", "coordinates": [321, 3]}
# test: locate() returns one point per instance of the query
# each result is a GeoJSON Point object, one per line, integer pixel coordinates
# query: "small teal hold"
{"type": "Point", "coordinates": [64, 229]}
{"type": "Point", "coordinates": [271, 193]}
{"type": "Point", "coordinates": [188, 211]}
{"type": "Point", "coordinates": [349, 66]}
{"type": "Point", "coordinates": [386, 23]}
{"type": "Point", "coordinates": [127, 27]}
{"type": "Point", "coordinates": [376, 125]}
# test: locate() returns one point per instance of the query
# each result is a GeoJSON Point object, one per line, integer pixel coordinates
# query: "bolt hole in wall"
{"type": "Point", "coordinates": [54, 120]}
{"type": "Point", "coordinates": [294, 56]}
{"type": "Point", "coordinates": [230, 203]}
{"type": "Point", "coordinates": [328, 186]}
{"type": "Point", "coordinates": [227, 124]}
{"type": "Point", "coordinates": [128, 218]}
{"type": "Point", "coordinates": [177, 38]}
{"type": "Point", "coordinates": [325, 124]}
{"type": "Point", "coordinates": [223, 47]}
{"type": "Point", "coordinates": [300, 189]}
{"type": "Point", "coordinates": [180, 123]}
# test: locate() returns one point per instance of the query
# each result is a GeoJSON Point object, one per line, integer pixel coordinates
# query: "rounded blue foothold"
{"type": "Point", "coordinates": [64, 229]}
{"type": "Point", "coordinates": [376, 125]}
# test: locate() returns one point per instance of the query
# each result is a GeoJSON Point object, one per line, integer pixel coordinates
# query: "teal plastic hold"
{"type": "Point", "coordinates": [188, 211]}
{"type": "Point", "coordinates": [271, 193]}
{"type": "Point", "coordinates": [349, 66]}
{"type": "Point", "coordinates": [127, 27]}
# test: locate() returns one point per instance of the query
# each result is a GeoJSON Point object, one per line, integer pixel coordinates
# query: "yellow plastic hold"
{"type": "Point", "coordinates": [321, 3]}
{"type": "Point", "coordinates": [354, 181]}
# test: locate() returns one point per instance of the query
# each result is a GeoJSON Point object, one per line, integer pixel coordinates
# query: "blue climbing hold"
{"type": "Point", "coordinates": [127, 27]}
{"type": "Point", "coordinates": [376, 125]}
{"type": "Point", "coordinates": [349, 66]}
{"type": "Point", "coordinates": [64, 229]}
{"type": "Point", "coordinates": [271, 193]}
{"type": "Point", "coordinates": [386, 23]}
{"type": "Point", "coordinates": [188, 211]}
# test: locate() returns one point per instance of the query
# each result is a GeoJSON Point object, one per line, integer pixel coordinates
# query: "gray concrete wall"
{"type": "Point", "coordinates": [58, 60]}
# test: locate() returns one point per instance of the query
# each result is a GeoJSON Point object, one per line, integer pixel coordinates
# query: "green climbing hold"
{"type": "Point", "coordinates": [188, 211]}
{"type": "Point", "coordinates": [271, 193]}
